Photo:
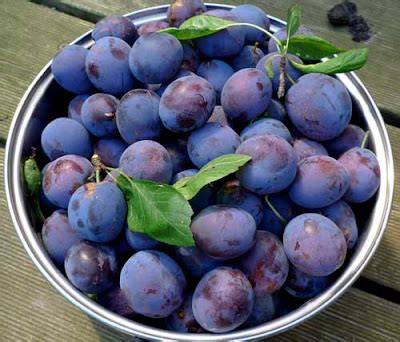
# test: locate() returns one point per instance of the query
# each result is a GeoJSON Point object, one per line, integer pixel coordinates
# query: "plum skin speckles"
{"type": "Point", "coordinates": [211, 141]}
{"type": "Point", "coordinates": [224, 232]}
{"type": "Point", "coordinates": [97, 211]}
{"type": "Point", "coordinates": [314, 244]}
{"type": "Point", "coordinates": [222, 300]}
{"type": "Point", "coordinates": [319, 106]}
{"type": "Point", "coordinates": [320, 181]}
{"type": "Point", "coordinates": [187, 104]}
{"type": "Point", "coordinates": [273, 165]}
{"type": "Point", "coordinates": [246, 94]}
{"type": "Point", "coordinates": [159, 290]}
{"type": "Point", "coordinates": [364, 173]}
{"type": "Point", "coordinates": [266, 264]}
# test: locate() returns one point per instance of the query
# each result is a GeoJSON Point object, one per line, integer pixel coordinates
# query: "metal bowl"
{"type": "Point", "coordinates": [44, 96]}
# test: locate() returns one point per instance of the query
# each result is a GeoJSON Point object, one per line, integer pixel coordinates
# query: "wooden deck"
{"type": "Point", "coordinates": [31, 310]}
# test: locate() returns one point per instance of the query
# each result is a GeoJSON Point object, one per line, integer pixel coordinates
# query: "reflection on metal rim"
{"type": "Point", "coordinates": [368, 242]}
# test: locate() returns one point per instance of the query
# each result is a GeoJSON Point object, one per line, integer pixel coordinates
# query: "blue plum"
{"type": "Point", "coordinates": [181, 10]}
{"type": "Point", "coordinates": [342, 215]}
{"type": "Point", "coordinates": [248, 57]}
{"type": "Point", "coordinates": [151, 27]}
{"type": "Point", "coordinates": [204, 198]}
{"type": "Point", "coordinates": [115, 26]}
{"type": "Point", "coordinates": [194, 261]}
{"type": "Point", "coordinates": [155, 57]}
{"type": "Point", "coordinates": [97, 211]}
{"type": "Point", "coordinates": [140, 241]}
{"type": "Point", "coordinates": [63, 176]}
{"type": "Point", "coordinates": [68, 68]}
{"type": "Point", "coordinates": [225, 43]}
{"type": "Point", "coordinates": [180, 74]}
{"type": "Point", "coordinates": [272, 61]}
{"type": "Point", "coordinates": [122, 248]}
{"type": "Point", "coordinates": [58, 237]}
{"type": "Point", "coordinates": [231, 193]}
{"type": "Point", "coordinates": [246, 94]}
{"type": "Point", "coordinates": [153, 284]}
{"type": "Point", "coordinates": [182, 320]}
{"type": "Point", "coordinates": [254, 15]}
{"type": "Point", "coordinates": [364, 172]}
{"type": "Point", "coordinates": [147, 159]}
{"type": "Point", "coordinates": [302, 285]}
{"type": "Point", "coordinates": [177, 150]}
{"type": "Point", "coordinates": [187, 104]}
{"type": "Point", "coordinates": [320, 181]}
{"type": "Point", "coordinates": [107, 66]}
{"type": "Point", "coordinates": [266, 264]}
{"type": "Point", "coordinates": [45, 204]}
{"type": "Point", "coordinates": [314, 244]}
{"type": "Point", "coordinates": [211, 141]}
{"type": "Point", "coordinates": [115, 301]}
{"type": "Point", "coordinates": [224, 232]}
{"type": "Point", "coordinates": [66, 136]}
{"type": "Point", "coordinates": [351, 137]}
{"type": "Point", "coordinates": [272, 167]}
{"type": "Point", "coordinates": [282, 35]}
{"type": "Point", "coordinates": [137, 116]}
{"type": "Point", "coordinates": [319, 106]}
{"type": "Point", "coordinates": [217, 73]}
{"type": "Point", "coordinates": [264, 127]}
{"type": "Point", "coordinates": [90, 267]}
{"type": "Point", "coordinates": [276, 110]}
{"type": "Point", "coordinates": [75, 107]}
{"type": "Point", "coordinates": [191, 59]}
{"type": "Point", "coordinates": [98, 115]}
{"type": "Point", "coordinates": [110, 150]}
{"type": "Point", "coordinates": [284, 206]}
{"type": "Point", "coordinates": [222, 300]}
{"type": "Point", "coordinates": [263, 311]}
{"type": "Point", "coordinates": [305, 148]}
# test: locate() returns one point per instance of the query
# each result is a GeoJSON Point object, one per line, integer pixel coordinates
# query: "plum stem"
{"type": "Point", "coordinates": [365, 140]}
{"type": "Point", "coordinates": [282, 77]}
{"type": "Point", "coordinates": [256, 44]}
{"type": "Point", "coordinates": [291, 79]}
{"type": "Point", "coordinates": [276, 212]}
{"type": "Point", "coordinates": [269, 34]}
{"type": "Point", "coordinates": [96, 161]}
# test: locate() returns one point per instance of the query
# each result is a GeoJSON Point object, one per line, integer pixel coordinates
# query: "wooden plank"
{"type": "Point", "coordinates": [380, 75]}
{"type": "Point", "coordinates": [30, 35]}
{"type": "Point", "coordinates": [384, 267]}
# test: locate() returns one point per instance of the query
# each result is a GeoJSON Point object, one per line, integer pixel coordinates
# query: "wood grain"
{"type": "Point", "coordinates": [381, 74]}
{"type": "Point", "coordinates": [30, 35]}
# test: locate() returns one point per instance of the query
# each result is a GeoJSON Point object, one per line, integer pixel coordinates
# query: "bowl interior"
{"type": "Point", "coordinates": [45, 100]}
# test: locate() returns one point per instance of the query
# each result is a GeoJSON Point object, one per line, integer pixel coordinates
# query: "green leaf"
{"type": "Point", "coordinates": [216, 169]}
{"type": "Point", "coordinates": [311, 47]}
{"type": "Point", "coordinates": [32, 176]}
{"type": "Point", "coordinates": [157, 210]}
{"type": "Point", "coordinates": [293, 20]}
{"type": "Point", "coordinates": [343, 62]}
{"type": "Point", "coordinates": [268, 67]}
{"type": "Point", "coordinates": [199, 26]}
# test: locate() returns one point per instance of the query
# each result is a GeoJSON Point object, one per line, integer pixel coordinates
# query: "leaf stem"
{"type": "Point", "coordinates": [276, 212]}
{"type": "Point", "coordinates": [282, 77]}
{"type": "Point", "coordinates": [365, 139]}
{"type": "Point", "coordinates": [269, 34]}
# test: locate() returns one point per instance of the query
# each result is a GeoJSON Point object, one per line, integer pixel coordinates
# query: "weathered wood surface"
{"type": "Point", "coordinates": [381, 75]}
{"type": "Point", "coordinates": [31, 310]}
{"type": "Point", "coordinates": [30, 35]}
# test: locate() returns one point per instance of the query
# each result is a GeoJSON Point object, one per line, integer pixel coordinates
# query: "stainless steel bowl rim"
{"type": "Point", "coordinates": [27, 235]}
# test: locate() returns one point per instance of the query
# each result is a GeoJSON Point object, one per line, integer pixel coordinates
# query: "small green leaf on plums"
{"type": "Point", "coordinates": [199, 26]}
{"type": "Point", "coordinates": [158, 210]}
{"type": "Point", "coordinates": [344, 62]}
{"type": "Point", "coordinates": [311, 47]}
{"type": "Point", "coordinates": [216, 169]}
{"type": "Point", "coordinates": [293, 20]}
